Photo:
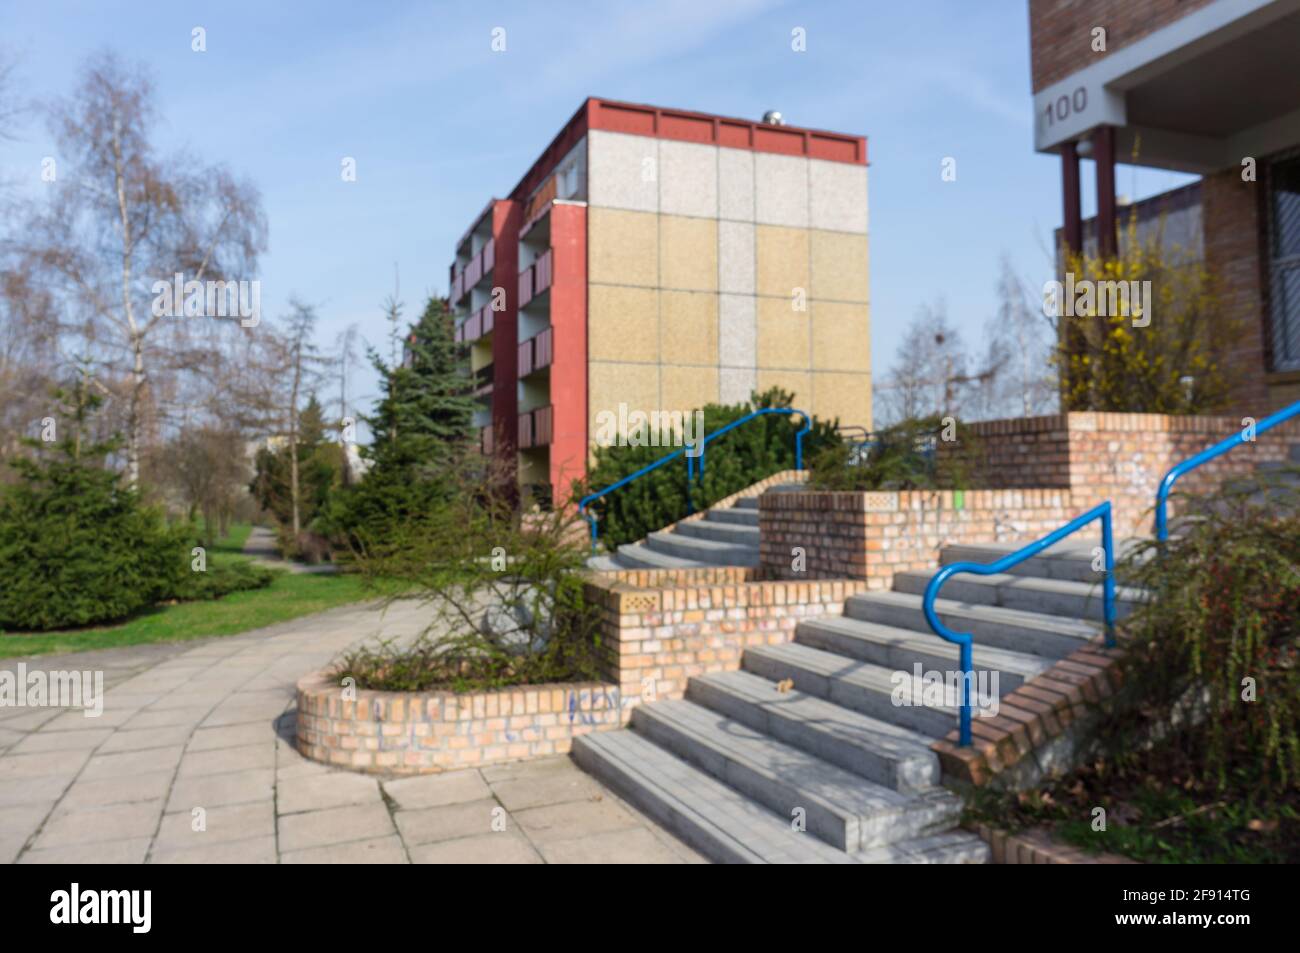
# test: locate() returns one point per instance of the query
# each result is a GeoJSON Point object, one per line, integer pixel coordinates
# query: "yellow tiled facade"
{"type": "Point", "coordinates": [731, 272]}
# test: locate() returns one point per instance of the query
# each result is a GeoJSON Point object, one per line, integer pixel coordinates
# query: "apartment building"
{"type": "Point", "coordinates": [657, 260]}
{"type": "Point", "coordinates": [1202, 86]}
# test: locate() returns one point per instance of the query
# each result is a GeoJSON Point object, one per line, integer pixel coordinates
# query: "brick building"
{"type": "Point", "coordinates": [662, 260]}
{"type": "Point", "coordinates": [1202, 86]}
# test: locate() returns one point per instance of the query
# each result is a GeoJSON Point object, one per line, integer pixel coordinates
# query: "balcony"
{"type": "Point", "coordinates": [535, 279]}
{"type": "Point", "coordinates": [486, 440]}
{"type": "Point", "coordinates": [482, 381]}
{"type": "Point", "coordinates": [478, 325]}
{"type": "Point", "coordinates": [475, 270]}
{"type": "Point", "coordinates": [536, 353]}
{"type": "Point", "coordinates": [535, 428]}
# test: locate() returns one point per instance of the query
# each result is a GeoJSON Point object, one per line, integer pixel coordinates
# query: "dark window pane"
{"type": "Point", "coordinates": [1286, 317]}
{"type": "Point", "coordinates": [1286, 208]}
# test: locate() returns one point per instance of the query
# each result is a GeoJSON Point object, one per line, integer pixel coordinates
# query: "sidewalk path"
{"type": "Point", "coordinates": [192, 761]}
{"type": "Point", "coordinates": [262, 547]}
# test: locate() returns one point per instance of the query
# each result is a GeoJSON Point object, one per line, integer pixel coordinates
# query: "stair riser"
{"type": "Point", "coordinates": [1068, 604]}
{"type": "Point", "coordinates": [878, 704]}
{"type": "Point", "coordinates": [629, 557]}
{"type": "Point", "coordinates": [696, 836]}
{"type": "Point", "coordinates": [943, 658]}
{"type": "Point", "coordinates": [720, 532]}
{"type": "Point", "coordinates": [730, 556]}
{"type": "Point", "coordinates": [902, 774]}
{"type": "Point", "coordinates": [844, 831]}
{"type": "Point", "coordinates": [1039, 567]}
{"type": "Point", "coordinates": [970, 850]}
{"type": "Point", "coordinates": [999, 634]}
{"type": "Point", "coordinates": [741, 517]}
{"type": "Point", "coordinates": [835, 829]}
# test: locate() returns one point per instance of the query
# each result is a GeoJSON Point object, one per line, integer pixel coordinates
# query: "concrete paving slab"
{"type": "Point", "coordinates": [383, 850]}
{"type": "Point", "coordinates": [508, 847]}
{"type": "Point", "coordinates": [435, 790]}
{"type": "Point", "coordinates": [337, 825]}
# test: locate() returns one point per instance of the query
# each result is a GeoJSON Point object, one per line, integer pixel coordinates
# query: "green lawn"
{"type": "Point", "coordinates": [234, 542]}
{"type": "Point", "coordinates": [288, 597]}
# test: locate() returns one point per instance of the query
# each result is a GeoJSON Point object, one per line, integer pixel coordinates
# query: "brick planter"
{"type": "Point", "coordinates": [428, 732]}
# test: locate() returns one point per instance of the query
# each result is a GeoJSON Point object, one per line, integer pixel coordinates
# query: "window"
{"type": "Point", "coordinates": [1284, 252]}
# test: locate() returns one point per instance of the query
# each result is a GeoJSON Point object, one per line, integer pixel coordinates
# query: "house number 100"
{"type": "Point", "coordinates": [1064, 106]}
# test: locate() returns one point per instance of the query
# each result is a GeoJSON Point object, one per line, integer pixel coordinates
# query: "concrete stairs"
{"type": "Point", "coordinates": [722, 536]}
{"type": "Point", "coordinates": [832, 726]}
{"type": "Point", "coordinates": [1272, 482]}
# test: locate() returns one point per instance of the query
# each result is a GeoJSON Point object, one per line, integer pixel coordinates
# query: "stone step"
{"type": "Point", "coordinates": [701, 551]}
{"type": "Point", "coordinates": [716, 820]}
{"type": "Point", "coordinates": [842, 808]}
{"type": "Point", "coordinates": [901, 649]}
{"type": "Point", "coordinates": [879, 751]}
{"type": "Point", "coordinates": [950, 847]}
{"type": "Point", "coordinates": [1061, 597]}
{"type": "Point", "coordinates": [1293, 453]}
{"type": "Point", "coordinates": [604, 563]}
{"type": "Point", "coordinates": [733, 533]}
{"type": "Point", "coordinates": [739, 516]}
{"type": "Point", "coordinates": [861, 686]}
{"type": "Point", "coordinates": [1279, 473]}
{"type": "Point", "coordinates": [641, 556]}
{"type": "Point", "coordinates": [1034, 633]}
{"type": "Point", "coordinates": [1070, 563]}
{"type": "Point", "coordinates": [745, 503]}
{"type": "Point", "coordinates": [1066, 560]}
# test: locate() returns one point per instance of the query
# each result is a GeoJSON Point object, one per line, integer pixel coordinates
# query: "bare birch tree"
{"type": "Point", "coordinates": [118, 220]}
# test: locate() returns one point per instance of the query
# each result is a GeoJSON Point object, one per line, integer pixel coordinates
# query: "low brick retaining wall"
{"type": "Point", "coordinates": [1120, 457]}
{"type": "Point", "coordinates": [1045, 470]}
{"type": "Point", "coordinates": [426, 732]}
{"type": "Point", "coordinates": [1037, 847]}
{"type": "Point", "coordinates": [1039, 726]}
{"type": "Point", "coordinates": [661, 627]}
{"type": "Point", "coordinates": [871, 536]}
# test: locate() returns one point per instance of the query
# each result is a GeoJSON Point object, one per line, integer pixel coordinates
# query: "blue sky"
{"type": "Point", "coordinates": [438, 122]}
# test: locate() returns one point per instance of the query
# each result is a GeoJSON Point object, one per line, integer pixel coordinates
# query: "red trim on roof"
{"type": "Point", "coordinates": [683, 125]}
{"type": "Point", "coordinates": [686, 126]}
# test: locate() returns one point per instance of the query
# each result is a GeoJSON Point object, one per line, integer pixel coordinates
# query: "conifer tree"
{"type": "Point", "coordinates": [421, 426]}
{"type": "Point", "coordinates": [77, 546]}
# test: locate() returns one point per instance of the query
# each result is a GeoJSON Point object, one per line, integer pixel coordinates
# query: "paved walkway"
{"type": "Point", "coordinates": [261, 545]}
{"type": "Point", "coordinates": [192, 761]}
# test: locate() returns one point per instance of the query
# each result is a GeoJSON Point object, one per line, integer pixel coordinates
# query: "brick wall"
{"type": "Point", "coordinates": [1121, 457]}
{"type": "Point", "coordinates": [1236, 254]}
{"type": "Point", "coordinates": [426, 732]}
{"type": "Point", "coordinates": [1041, 471]}
{"type": "Point", "coordinates": [661, 627]}
{"type": "Point", "coordinates": [1060, 31]}
{"type": "Point", "coordinates": [871, 536]}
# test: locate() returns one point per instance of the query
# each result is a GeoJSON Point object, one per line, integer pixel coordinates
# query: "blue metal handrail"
{"type": "Point", "coordinates": [786, 411]}
{"type": "Point", "coordinates": [1205, 456]}
{"type": "Point", "coordinates": [690, 462]}
{"type": "Point", "coordinates": [964, 639]}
